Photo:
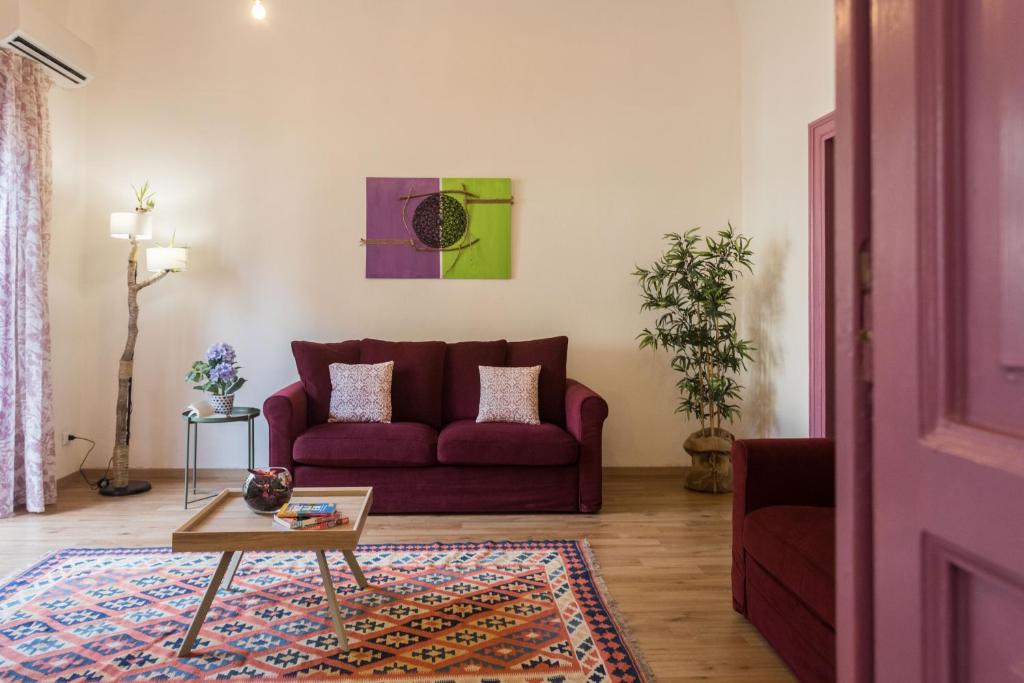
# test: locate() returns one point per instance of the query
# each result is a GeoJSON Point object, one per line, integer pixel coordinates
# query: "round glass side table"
{"type": "Point", "coordinates": [192, 422]}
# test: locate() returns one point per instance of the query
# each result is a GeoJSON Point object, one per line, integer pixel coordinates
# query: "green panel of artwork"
{"type": "Point", "coordinates": [489, 214]}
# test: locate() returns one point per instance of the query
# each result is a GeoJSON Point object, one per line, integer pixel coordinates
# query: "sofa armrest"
{"type": "Point", "coordinates": [286, 417]}
{"type": "Point", "coordinates": [585, 413]}
{"type": "Point", "coordinates": [768, 472]}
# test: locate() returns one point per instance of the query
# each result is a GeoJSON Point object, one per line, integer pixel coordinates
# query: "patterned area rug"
{"type": "Point", "coordinates": [531, 612]}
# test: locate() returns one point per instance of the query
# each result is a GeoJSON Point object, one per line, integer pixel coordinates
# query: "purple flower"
{"type": "Point", "coordinates": [223, 372]}
{"type": "Point", "coordinates": [220, 352]}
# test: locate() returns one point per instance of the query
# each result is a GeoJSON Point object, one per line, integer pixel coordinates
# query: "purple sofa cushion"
{"type": "Point", "coordinates": [418, 380]}
{"type": "Point", "coordinates": [312, 360]}
{"type": "Point", "coordinates": [796, 545]}
{"type": "Point", "coordinates": [551, 355]}
{"type": "Point", "coordinates": [462, 376]}
{"type": "Point", "coordinates": [367, 444]}
{"type": "Point", "coordinates": [467, 442]}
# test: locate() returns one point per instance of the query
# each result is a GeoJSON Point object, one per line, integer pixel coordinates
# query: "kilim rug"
{"type": "Point", "coordinates": [530, 612]}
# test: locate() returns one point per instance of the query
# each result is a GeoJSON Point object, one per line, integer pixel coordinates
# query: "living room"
{"type": "Point", "coordinates": [585, 323]}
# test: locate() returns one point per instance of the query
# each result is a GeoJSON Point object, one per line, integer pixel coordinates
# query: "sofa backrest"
{"type": "Point", "coordinates": [312, 360]}
{"type": "Point", "coordinates": [435, 383]}
{"type": "Point", "coordinates": [418, 379]}
{"type": "Point", "coordinates": [462, 361]}
{"type": "Point", "coordinates": [551, 355]}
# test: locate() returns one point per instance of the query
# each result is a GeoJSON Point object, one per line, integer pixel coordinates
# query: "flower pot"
{"type": "Point", "coordinates": [711, 452]}
{"type": "Point", "coordinates": [266, 490]}
{"type": "Point", "coordinates": [222, 404]}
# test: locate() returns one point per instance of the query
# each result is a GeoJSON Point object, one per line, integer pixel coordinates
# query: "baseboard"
{"type": "Point", "coordinates": [179, 472]}
{"type": "Point", "coordinates": [166, 472]}
{"type": "Point", "coordinates": [156, 473]}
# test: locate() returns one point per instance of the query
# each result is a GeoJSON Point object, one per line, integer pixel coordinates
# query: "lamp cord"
{"type": "Point", "coordinates": [102, 481]}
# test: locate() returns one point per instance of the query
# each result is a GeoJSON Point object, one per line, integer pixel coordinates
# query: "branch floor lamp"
{"type": "Point", "coordinates": [135, 226]}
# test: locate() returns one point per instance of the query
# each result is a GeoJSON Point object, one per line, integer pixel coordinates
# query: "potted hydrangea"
{"type": "Point", "coordinates": [218, 376]}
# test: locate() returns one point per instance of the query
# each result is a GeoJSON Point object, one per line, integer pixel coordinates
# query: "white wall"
{"type": "Point", "coordinates": [616, 121]}
{"type": "Point", "coordinates": [72, 326]}
{"type": "Point", "coordinates": [787, 81]}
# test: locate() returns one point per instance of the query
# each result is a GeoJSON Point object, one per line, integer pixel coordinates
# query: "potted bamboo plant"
{"type": "Point", "coordinates": [691, 286]}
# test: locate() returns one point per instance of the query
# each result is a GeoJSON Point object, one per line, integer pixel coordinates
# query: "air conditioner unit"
{"type": "Point", "coordinates": [27, 30]}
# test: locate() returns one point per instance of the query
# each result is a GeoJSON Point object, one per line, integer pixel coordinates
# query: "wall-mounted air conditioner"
{"type": "Point", "coordinates": [27, 30]}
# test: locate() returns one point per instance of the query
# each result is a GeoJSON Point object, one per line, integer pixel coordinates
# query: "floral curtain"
{"type": "Point", "coordinates": [27, 456]}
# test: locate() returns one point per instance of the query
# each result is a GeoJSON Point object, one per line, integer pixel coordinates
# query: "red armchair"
{"type": "Point", "coordinates": [783, 548]}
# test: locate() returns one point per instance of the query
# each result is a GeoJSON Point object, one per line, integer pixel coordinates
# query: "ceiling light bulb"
{"type": "Point", "coordinates": [258, 10]}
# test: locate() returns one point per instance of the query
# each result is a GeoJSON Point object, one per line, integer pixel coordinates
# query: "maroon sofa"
{"type": "Point", "coordinates": [433, 456]}
{"type": "Point", "coordinates": [783, 549]}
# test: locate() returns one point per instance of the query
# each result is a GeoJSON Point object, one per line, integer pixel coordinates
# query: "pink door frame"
{"type": "Point", "coordinates": [820, 174]}
{"type": "Point", "coordinates": [854, 518]}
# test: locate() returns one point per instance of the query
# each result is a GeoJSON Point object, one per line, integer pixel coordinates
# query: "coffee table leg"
{"type": "Point", "coordinates": [232, 568]}
{"type": "Point", "coordinates": [353, 564]}
{"type": "Point", "coordinates": [197, 621]}
{"type": "Point", "coordinates": [332, 600]}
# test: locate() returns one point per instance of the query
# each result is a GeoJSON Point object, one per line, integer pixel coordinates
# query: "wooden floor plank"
{"type": "Point", "coordinates": [664, 553]}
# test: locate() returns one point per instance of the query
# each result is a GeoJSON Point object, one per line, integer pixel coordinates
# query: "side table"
{"type": "Point", "coordinates": [192, 422]}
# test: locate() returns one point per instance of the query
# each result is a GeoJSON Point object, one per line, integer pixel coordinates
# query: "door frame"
{"type": "Point", "coordinates": [855, 652]}
{"type": "Point", "coordinates": [820, 292]}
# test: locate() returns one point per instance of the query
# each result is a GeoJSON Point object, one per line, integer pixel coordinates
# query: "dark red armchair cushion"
{"type": "Point", "coordinates": [796, 544]}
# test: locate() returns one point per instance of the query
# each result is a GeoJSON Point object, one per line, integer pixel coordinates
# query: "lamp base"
{"type": "Point", "coordinates": [131, 489]}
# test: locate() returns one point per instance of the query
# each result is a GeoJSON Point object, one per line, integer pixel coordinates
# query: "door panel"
{"type": "Point", "coordinates": [979, 621]}
{"type": "Point", "coordinates": [987, 38]}
{"type": "Point", "coordinates": [948, 445]}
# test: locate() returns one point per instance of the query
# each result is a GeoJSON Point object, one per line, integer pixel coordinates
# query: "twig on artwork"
{"type": "Point", "coordinates": [410, 195]}
{"type": "Point", "coordinates": [385, 242]}
{"type": "Point", "coordinates": [505, 200]}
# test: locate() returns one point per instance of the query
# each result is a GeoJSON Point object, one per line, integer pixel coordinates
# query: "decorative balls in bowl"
{"type": "Point", "coordinates": [266, 490]}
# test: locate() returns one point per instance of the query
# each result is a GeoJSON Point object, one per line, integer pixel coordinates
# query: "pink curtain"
{"type": "Point", "coordinates": [27, 457]}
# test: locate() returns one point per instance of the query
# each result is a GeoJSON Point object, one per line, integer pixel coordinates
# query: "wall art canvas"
{"type": "Point", "coordinates": [450, 228]}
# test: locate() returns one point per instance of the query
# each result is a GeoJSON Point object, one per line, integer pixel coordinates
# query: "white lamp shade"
{"type": "Point", "coordinates": [159, 259]}
{"type": "Point", "coordinates": [131, 224]}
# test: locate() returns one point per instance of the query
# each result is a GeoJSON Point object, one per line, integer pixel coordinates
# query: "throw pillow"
{"type": "Point", "coordinates": [361, 393]}
{"type": "Point", "coordinates": [509, 395]}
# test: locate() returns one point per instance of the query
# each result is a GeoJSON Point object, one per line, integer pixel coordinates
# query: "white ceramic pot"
{"type": "Point", "coordinates": [222, 404]}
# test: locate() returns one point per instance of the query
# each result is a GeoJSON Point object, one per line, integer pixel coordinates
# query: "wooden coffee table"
{"type": "Point", "coordinates": [227, 525]}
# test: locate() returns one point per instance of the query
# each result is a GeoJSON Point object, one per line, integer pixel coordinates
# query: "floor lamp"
{"type": "Point", "coordinates": [135, 226]}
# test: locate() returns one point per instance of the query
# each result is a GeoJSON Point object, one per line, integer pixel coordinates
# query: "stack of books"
{"type": "Point", "coordinates": [309, 516]}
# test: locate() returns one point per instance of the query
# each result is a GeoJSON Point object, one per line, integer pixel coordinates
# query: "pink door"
{"type": "Point", "coordinates": [939, 85]}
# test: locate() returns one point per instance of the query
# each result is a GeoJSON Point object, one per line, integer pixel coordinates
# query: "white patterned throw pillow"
{"type": "Point", "coordinates": [509, 395]}
{"type": "Point", "coordinates": [361, 393]}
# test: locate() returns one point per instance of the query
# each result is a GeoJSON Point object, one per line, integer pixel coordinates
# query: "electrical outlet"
{"type": "Point", "coordinates": [64, 438]}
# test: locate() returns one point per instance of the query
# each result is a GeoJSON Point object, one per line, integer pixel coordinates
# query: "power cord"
{"type": "Point", "coordinates": [102, 481]}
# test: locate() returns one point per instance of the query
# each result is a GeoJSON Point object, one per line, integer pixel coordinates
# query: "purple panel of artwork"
{"type": "Point", "coordinates": [384, 222]}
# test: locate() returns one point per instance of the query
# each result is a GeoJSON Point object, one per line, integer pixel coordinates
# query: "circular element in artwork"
{"type": "Point", "coordinates": [439, 221]}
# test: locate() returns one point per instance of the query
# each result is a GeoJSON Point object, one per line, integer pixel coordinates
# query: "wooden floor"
{"type": "Point", "coordinates": [664, 553]}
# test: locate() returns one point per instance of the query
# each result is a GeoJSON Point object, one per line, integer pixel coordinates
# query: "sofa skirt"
{"type": "Point", "coordinates": [454, 489]}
